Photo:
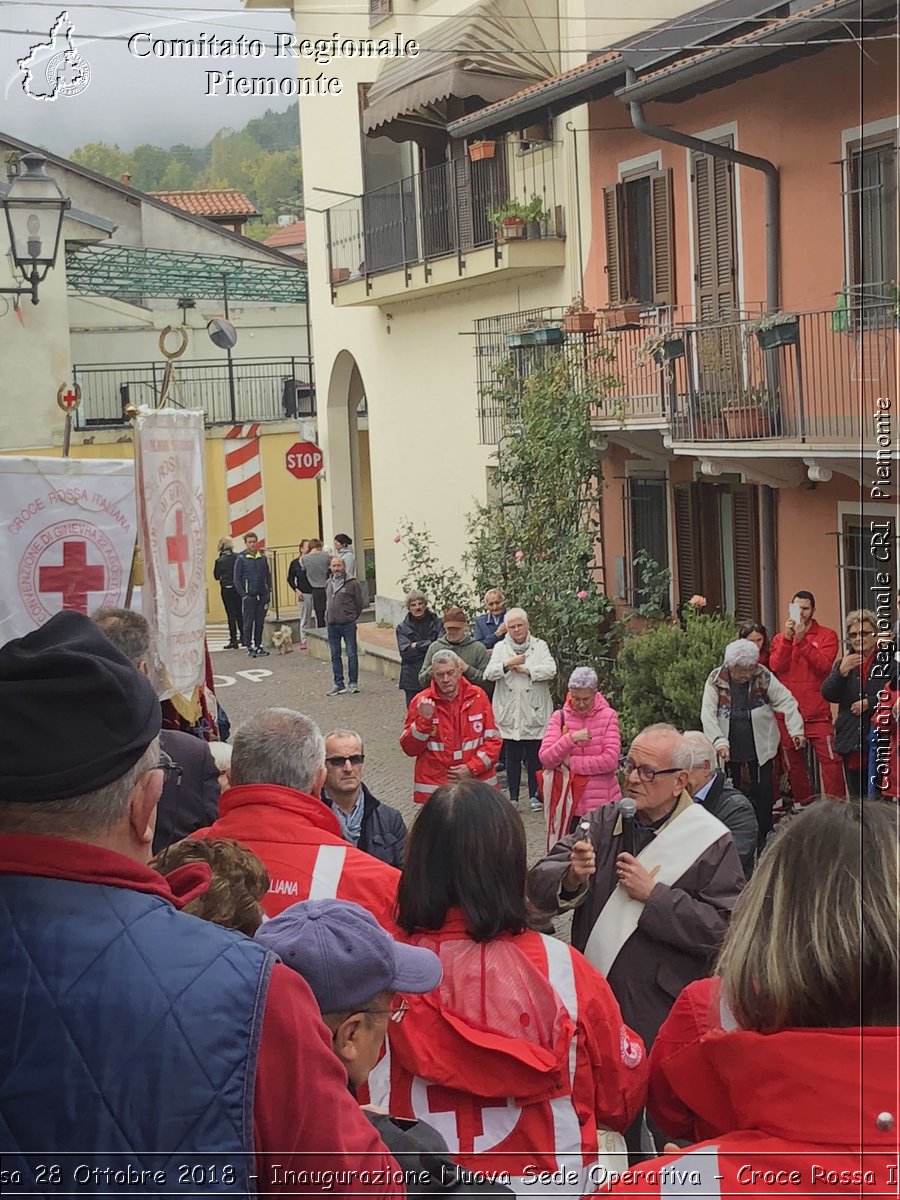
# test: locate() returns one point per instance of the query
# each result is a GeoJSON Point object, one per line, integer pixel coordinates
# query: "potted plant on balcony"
{"type": "Point", "coordinates": [707, 424]}
{"type": "Point", "coordinates": [535, 333]}
{"type": "Point", "coordinates": [481, 148]}
{"type": "Point", "coordinates": [509, 220]}
{"type": "Point", "coordinates": [578, 318]}
{"type": "Point", "coordinates": [536, 216]}
{"type": "Point", "coordinates": [662, 348]}
{"type": "Point", "coordinates": [751, 417]}
{"type": "Point", "coordinates": [626, 314]}
{"type": "Point", "coordinates": [776, 329]}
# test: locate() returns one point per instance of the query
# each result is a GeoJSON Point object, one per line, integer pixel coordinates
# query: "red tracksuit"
{"type": "Point", "coordinates": [802, 665]}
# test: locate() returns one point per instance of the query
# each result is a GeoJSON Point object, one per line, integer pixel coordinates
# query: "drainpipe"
{"type": "Point", "coordinates": [737, 157]}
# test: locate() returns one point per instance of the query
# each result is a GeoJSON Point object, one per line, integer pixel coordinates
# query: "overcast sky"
{"type": "Point", "coordinates": [132, 100]}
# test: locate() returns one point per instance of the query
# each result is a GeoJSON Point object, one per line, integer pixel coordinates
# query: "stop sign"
{"type": "Point", "coordinates": [304, 460]}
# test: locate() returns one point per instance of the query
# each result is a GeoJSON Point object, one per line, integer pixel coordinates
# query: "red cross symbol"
{"type": "Point", "coordinates": [74, 578]}
{"type": "Point", "coordinates": [468, 1113]}
{"type": "Point", "coordinates": [177, 547]}
{"type": "Point", "coordinates": [70, 400]}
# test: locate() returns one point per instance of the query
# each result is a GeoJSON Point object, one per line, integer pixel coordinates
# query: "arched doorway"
{"type": "Point", "coordinates": [349, 465]}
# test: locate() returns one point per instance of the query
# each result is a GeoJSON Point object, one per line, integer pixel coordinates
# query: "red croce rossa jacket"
{"type": "Point", "coordinates": [797, 1113]}
{"type": "Point", "coordinates": [803, 665]}
{"type": "Point", "coordinates": [299, 841]}
{"type": "Point", "coordinates": [462, 733]}
{"type": "Point", "coordinates": [517, 1058]}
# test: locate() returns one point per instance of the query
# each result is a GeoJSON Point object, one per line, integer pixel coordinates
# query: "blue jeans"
{"type": "Point", "coordinates": [347, 631]}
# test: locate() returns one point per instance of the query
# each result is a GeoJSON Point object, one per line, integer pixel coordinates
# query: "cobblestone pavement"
{"type": "Point", "coordinates": [247, 686]}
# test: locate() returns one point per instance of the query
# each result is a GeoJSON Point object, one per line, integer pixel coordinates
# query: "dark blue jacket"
{"type": "Point", "coordinates": [486, 630]}
{"type": "Point", "coordinates": [252, 576]}
{"type": "Point", "coordinates": [423, 631]}
{"type": "Point", "coordinates": [383, 829]}
{"type": "Point", "coordinates": [131, 1035]}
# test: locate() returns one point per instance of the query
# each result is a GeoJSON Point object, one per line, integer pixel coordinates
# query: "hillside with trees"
{"type": "Point", "coordinates": [262, 160]}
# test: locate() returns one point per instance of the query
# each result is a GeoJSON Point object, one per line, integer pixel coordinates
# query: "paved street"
{"type": "Point", "coordinates": [246, 686]}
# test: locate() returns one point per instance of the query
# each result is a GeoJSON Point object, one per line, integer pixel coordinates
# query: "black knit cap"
{"type": "Point", "coordinates": [75, 714]}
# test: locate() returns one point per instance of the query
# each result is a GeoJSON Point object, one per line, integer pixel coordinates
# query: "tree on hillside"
{"type": "Point", "coordinates": [233, 159]}
{"type": "Point", "coordinates": [276, 131]}
{"type": "Point", "coordinates": [147, 165]}
{"type": "Point", "coordinates": [105, 160]}
{"type": "Point", "coordinates": [278, 185]}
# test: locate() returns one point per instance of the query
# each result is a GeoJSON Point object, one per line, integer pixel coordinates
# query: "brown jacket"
{"type": "Point", "coordinates": [679, 931]}
{"type": "Point", "coordinates": [345, 604]}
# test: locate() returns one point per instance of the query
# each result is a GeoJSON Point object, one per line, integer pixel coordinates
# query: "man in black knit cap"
{"type": "Point", "coordinates": [145, 1047]}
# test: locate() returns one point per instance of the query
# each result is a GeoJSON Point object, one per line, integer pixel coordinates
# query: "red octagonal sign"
{"type": "Point", "coordinates": [304, 460]}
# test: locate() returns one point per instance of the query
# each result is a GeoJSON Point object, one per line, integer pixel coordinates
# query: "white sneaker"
{"type": "Point", "coordinates": [354, 687]}
{"type": "Point", "coordinates": [534, 804]}
{"type": "Point", "coordinates": [337, 691]}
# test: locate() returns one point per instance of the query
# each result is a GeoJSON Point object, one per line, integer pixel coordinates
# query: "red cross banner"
{"type": "Point", "coordinates": [168, 452]}
{"type": "Point", "coordinates": [67, 530]}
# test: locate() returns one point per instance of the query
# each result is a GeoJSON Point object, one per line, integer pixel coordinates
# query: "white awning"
{"type": "Point", "coordinates": [491, 51]}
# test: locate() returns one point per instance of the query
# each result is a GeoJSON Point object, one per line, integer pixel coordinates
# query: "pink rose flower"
{"type": "Point", "coordinates": [697, 602]}
{"type": "Point", "coordinates": [520, 554]}
{"type": "Point", "coordinates": [581, 595]}
{"type": "Point", "coordinates": [397, 537]}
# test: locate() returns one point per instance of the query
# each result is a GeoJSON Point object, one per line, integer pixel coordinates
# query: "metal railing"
{"type": "Point", "coordinates": [262, 389]}
{"type": "Point", "coordinates": [447, 209]}
{"type": "Point", "coordinates": [714, 381]}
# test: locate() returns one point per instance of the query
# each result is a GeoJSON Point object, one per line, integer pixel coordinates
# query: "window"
{"type": "Point", "coordinates": [640, 262]}
{"type": "Point", "coordinates": [379, 10]}
{"type": "Point", "coordinates": [871, 184]}
{"type": "Point", "coordinates": [646, 512]}
{"type": "Point", "coordinates": [717, 546]}
{"type": "Point", "coordinates": [859, 568]}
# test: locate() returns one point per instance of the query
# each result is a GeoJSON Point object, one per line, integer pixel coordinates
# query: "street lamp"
{"type": "Point", "coordinates": [34, 208]}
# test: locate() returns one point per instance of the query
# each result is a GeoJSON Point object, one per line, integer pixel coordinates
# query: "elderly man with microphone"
{"type": "Point", "coordinates": [652, 880]}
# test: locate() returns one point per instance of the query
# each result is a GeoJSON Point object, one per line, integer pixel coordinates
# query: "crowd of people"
{"type": "Point", "coordinates": [765, 710]}
{"type": "Point", "coordinates": [235, 969]}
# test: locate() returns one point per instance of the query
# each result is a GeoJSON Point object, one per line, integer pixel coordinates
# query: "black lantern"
{"type": "Point", "coordinates": [34, 208]}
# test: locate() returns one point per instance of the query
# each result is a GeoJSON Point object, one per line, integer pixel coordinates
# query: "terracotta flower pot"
{"type": "Point", "coordinates": [580, 322]}
{"type": "Point", "coordinates": [481, 150]}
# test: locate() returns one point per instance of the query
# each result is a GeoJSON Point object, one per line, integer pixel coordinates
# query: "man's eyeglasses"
{"type": "Point", "coordinates": [338, 760]}
{"type": "Point", "coordinates": [645, 773]}
{"type": "Point", "coordinates": [169, 767]}
{"type": "Point", "coordinates": [398, 1010]}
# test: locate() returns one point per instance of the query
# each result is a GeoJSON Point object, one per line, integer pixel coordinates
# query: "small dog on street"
{"type": "Point", "coordinates": [282, 640]}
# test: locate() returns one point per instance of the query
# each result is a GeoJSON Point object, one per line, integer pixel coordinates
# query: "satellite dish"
{"type": "Point", "coordinates": [221, 333]}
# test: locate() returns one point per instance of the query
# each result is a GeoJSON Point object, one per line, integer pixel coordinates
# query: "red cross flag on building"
{"type": "Point", "coordinates": [67, 530]}
{"type": "Point", "coordinates": [168, 449]}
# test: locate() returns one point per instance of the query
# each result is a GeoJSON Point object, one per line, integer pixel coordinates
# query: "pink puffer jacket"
{"type": "Point", "coordinates": [597, 758]}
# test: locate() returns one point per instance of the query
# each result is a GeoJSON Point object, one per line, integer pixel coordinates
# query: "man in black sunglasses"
{"type": "Point", "coordinates": [653, 920]}
{"type": "Point", "coordinates": [374, 827]}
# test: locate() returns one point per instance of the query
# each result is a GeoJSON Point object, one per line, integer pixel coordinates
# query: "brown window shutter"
{"type": "Point", "coordinates": [661, 193]}
{"type": "Point", "coordinates": [687, 542]}
{"type": "Point", "coordinates": [745, 540]}
{"type": "Point", "coordinates": [612, 210]}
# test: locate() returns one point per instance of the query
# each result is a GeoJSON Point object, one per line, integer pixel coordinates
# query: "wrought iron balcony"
{"type": "Point", "coordinates": [810, 382]}
{"type": "Point", "coordinates": [261, 389]}
{"type": "Point", "coordinates": [714, 382]}
{"type": "Point", "coordinates": [453, 209]}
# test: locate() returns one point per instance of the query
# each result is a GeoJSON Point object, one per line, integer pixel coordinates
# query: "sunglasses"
{"type": "Point", "coordinates": [338, 760]}
{"type": "Point", "coordinates": [863, 633]}
{"type": "Point", "coordinates": [169, 768]}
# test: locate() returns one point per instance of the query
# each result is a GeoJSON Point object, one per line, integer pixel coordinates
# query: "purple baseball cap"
{"type": "Point", "coordinates": [344, 954]}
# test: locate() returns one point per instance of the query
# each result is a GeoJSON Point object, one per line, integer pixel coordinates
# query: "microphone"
{"type": "Point", "coordinates": [627, 810]}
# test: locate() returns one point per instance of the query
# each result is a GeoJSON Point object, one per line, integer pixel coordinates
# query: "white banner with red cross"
{"type": "Point", "coordinates": [67, 530]}
{"type": "Point", "coordinates": [168, 456]}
